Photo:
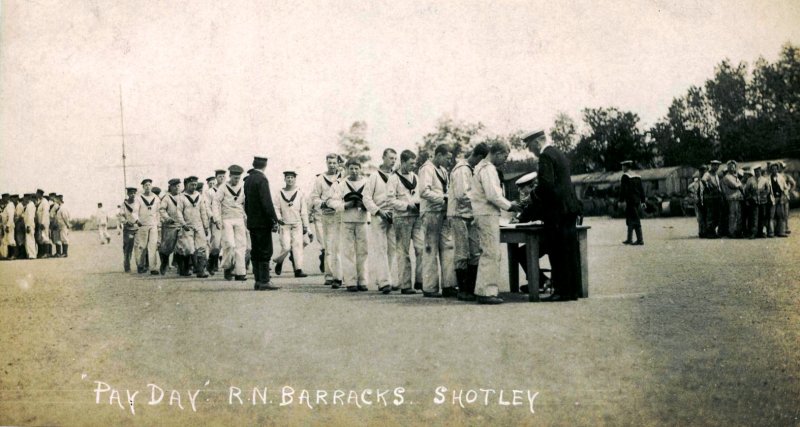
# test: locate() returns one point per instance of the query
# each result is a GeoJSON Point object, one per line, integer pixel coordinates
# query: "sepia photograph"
{"type": "Point", "coordinates": [399, 213]}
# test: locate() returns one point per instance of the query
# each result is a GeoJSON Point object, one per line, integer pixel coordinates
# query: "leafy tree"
{"type": "Point", "coordinates": [564, 133]}
{"type": "Point", "coordinates": [727, 95]}
{"type": "Point", "coordinates": [460, 136]}
{"type": "Point", "coordinates": [354, 144]}
{"type": "Point", "coordinates": [774, 102]}
{"type": "Point", "coordinates": [687, 135]}
{"type": "Point", "coordinates": [613, 136]}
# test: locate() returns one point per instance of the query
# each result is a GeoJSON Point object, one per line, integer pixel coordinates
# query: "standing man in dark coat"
{"type": "Point", "coordinates": [632, 193]}
{"type": "Point", "coordinates": [261, 221]}
{"type": "Point", "coordinates": [561, 210]}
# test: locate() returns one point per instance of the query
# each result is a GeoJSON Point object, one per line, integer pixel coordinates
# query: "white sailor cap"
{"type": "Point", "coordinates": [526, 179]}
{"type": "Point", "coordinates": [532, 135]}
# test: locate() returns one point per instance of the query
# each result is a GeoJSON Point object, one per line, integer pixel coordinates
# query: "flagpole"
{"type": "Point", "coordinates": [122, 126]}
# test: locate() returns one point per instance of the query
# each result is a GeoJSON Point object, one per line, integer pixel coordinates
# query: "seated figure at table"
{"type": "Point", "coordinates": [532, 211]}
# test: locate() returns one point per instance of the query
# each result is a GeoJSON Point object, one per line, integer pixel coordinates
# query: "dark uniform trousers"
{"type": "Point", "coordinates": [565, 257]}
{"type": "Point", "coordinates": [261, 241]}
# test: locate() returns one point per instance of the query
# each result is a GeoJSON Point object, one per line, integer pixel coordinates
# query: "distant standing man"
{"type": "Point", "coordinates": [349, 201]}
{"type": "Point", "coordinates": [749, 204]}
{"type": "Point", "coordinates": [55, 236]}
{"type": "Point", "coordinates": [713, 200]}
{"type": "Point", "coordinates": [382, 242]}
{"type": "Point", "coordinates": [696, 194]}
{"type": "Point", "coordinates": [293, 212]}
{"type": "Point", "coordinates": [322, 193]}
{"type": "Point", "coordinates": [632, 193]}
{"type": "Point", "coordinates": [102, 224]}
{"type": "Point", "coordinates": [486, 195]}
{"type": "Point", "coordinates": [733, 192]}
{"type": "Point", "coordinates": [229, 204]}
{"type": "Point", "coordinates": [130, 228]}
{"type": "Point", "coordinates": [261, 220]}
{"type": "Point", "coordinates": [404, 198]}
{"type": "Point", "coordinates": [19, 225]}
{"type": "Point", "coordinates": [63, 220]}
{"type": "Point", "coordinates": [438, 255]}
{"type": "Point", "coordinates": [561, 209]}
{"type": "Point", "coordinates": [215, 239]}
{"type": "Point", "coordinates": [791, 186]}
{"type": "Point", "coordinates": [29, 218]}
{"type": "Point", "coordinates": [171, 223]}
{"type": "Point", "coordinates": [780, 197]}
{"type": "Point", "coordinates": [146, 217]}
{"type": "Point", "coordinates": [192, 243]}
{"type": "Point", "coordinates": [43, 221]}
{"type": "Point", "coordinates": [466, 242]}
{"type": "Point", "coordinates": [9, 210]}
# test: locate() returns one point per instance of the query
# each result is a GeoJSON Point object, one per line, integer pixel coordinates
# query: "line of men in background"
{"type": "Point", "coordinates": [34, 226]}
{"type": "Point", "coordinates": [751, 203]}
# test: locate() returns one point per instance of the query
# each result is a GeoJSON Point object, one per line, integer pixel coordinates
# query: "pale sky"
{"type": "Point", "coordinates": [208, 83]}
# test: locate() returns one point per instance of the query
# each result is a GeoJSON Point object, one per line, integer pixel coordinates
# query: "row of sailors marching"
{"type": "Point", "coordinates": [752, 203]}
{"type": "Point", "coordinates": [33, 226]}
{"type": "Point", "coordinates": [202, 230]}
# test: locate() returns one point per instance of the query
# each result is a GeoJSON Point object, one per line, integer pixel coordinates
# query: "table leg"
{"type": "Point", "coordinates": [584, 250]}
{"type": "Point", "coordinates": [513, 269]}
{"type": "Point", "coordinates": [533, 267]}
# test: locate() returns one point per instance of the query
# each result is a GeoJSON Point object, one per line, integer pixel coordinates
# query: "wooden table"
{"type": "Point", "coordinates": [529, 235]}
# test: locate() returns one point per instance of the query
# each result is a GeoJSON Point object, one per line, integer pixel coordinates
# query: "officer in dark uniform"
{"type": "Point", "coordinates": [632, 193]}
{"type": "Point", "coordinates": [261, 222]}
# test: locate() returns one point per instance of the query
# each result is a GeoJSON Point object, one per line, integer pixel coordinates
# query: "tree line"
{"type": "Point", "coordinates": [740, 113]}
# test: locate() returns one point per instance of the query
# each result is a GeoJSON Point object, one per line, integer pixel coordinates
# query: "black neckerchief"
{"type": "Point", "coordinates": [150, 204]}
{"type": "Point", "coordinates": [443, 181]}
{"type": "Point", "coordinates": [127, 206]}
{"type": "Point", "coordinates": [174, 202]}
{"type": "Point", "coordinates": [194, 202]}
{"type": "Point", "coordinates": [236, 194]}
{"type": "Point", "coordinates": [289, 201]}
{"type": "Point", "coordinates": [353, 190]}
{"type": "Point", "coordinates": [383, 176]}
{"type": "Point", "coordinates": [410, 186]}
{"type": "Point", "coordinates": [326, 180]}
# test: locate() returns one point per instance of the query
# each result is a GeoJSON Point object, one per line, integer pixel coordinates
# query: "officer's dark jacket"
{"type": "Point", "coordinates": [555, 185]}
{"type": "Point", "coordinates": [631, 189]}
{"type": "Point", "coordinates": [258, 201]}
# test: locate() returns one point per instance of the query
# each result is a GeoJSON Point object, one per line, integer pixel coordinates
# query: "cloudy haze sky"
{"type": "Point", "coordinates": [209, 83]}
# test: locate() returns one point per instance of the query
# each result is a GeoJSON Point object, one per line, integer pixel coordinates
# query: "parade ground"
{"type": "Point", "coordinates": [681, 331]}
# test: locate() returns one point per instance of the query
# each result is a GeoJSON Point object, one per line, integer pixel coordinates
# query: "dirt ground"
{"type": "Point", "coordinates": [681, 331]}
